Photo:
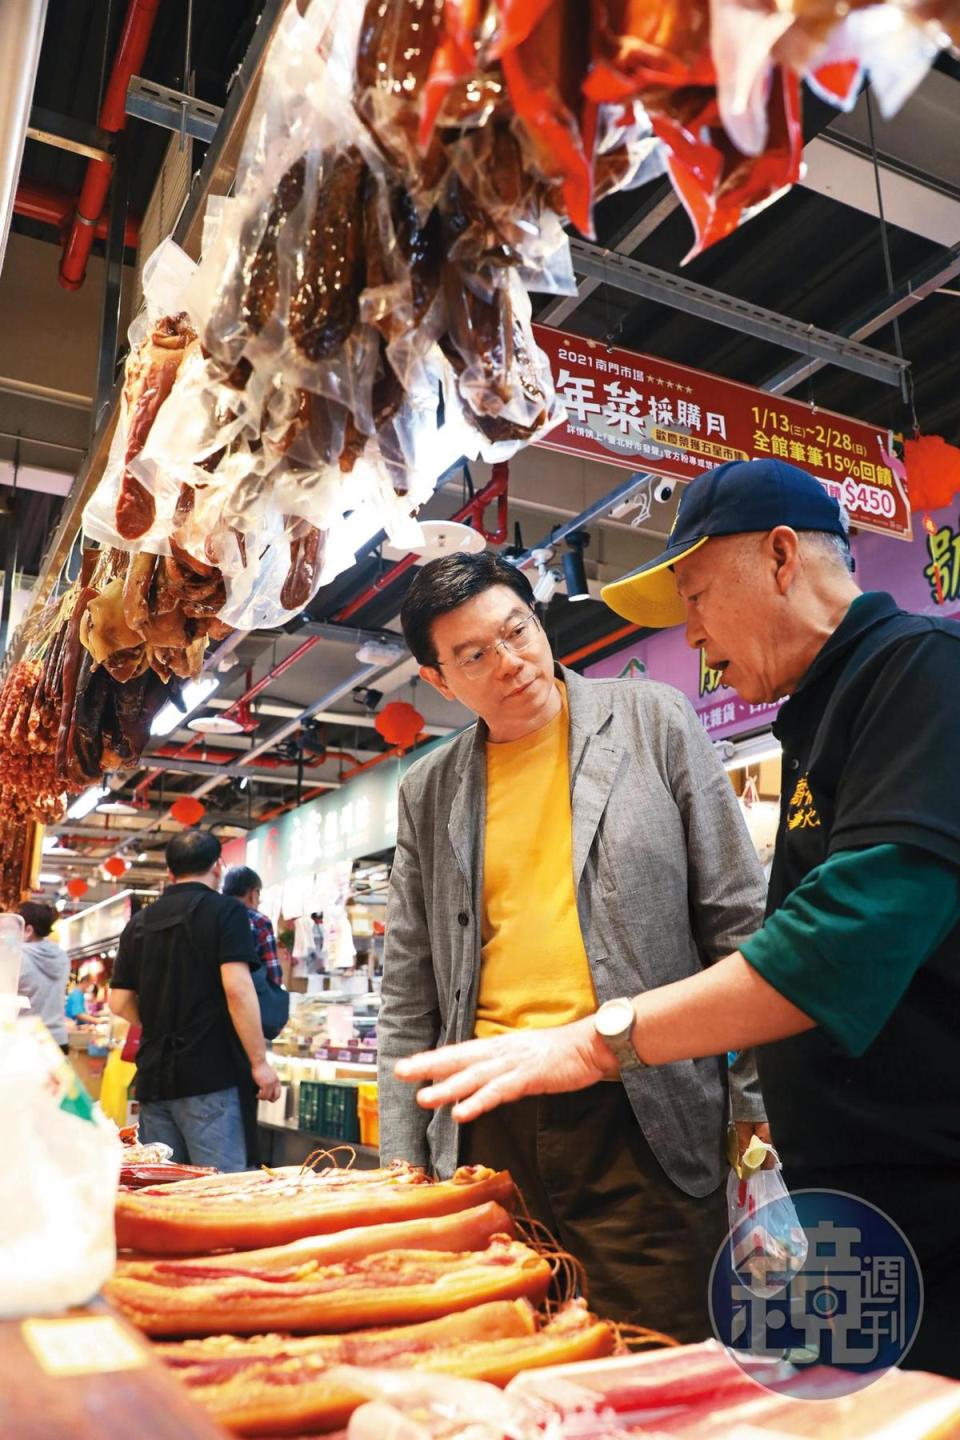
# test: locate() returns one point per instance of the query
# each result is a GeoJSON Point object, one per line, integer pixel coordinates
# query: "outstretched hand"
{"type": "Point", "coordinates": [481, 1074]}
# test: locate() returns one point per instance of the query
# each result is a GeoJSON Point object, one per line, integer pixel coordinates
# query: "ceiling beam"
{"type": "Point", "coordinates": [63, 132]}
{"type": "Point", "coordinates": [189, 766]}
{"type": "Point", "coordinates": [659, 207]}
{"type": "Point", "coordinates": [680, 293]}
{"type": "Point", "coordinates": [840, 167]}
{"type": "Point", "coordinates": [925, 282]}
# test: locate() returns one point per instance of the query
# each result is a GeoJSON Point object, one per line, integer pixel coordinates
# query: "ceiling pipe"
{"type": "Point", "coordinates": [52, 206]}
{"type": "Point", "coordinates": [21, 35]}
{"type": "Point", "coordinates": [358, 769]}
{"type": "Point", "coordinates": [131, 51]}
{"type": "Point", "coordinates": [604, 643]}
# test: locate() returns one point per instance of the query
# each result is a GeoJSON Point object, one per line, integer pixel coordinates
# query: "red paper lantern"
{"type": "Point", "coordinates": [187, 810]}
{"type": "Point", "coordinates": [933, 471]}
{"type": "Point", "coordinates": [77, 888]}
{"type": "Point", "coordinates": [399, 723]}
{"type": "Point", "coordinates": [115, 867]}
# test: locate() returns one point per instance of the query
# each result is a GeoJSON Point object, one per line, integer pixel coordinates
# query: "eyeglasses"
{"type": "Point", "coordinates": [520, 639]}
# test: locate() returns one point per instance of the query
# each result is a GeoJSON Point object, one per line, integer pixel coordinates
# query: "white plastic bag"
{"type": "Point", "coordinates": [58, 1184]}
{"type": "Point", "coordinates": [768, 1245]}
{"type": "Point", "coordinates": [415, 1406]}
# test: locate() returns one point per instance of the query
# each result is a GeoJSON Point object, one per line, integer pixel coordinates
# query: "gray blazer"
{"type": "Point", "coordinates": [666, 881]}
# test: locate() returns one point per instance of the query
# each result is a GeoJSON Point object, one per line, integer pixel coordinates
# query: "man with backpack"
{"type": "Point", "coordinates": [183, 972]}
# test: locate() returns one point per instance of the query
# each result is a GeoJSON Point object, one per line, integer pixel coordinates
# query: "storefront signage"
{"type": "Point", "coordinates": [98, 924]}
{"type": "Point", "coordinates": [301, 855]}
{"type": "Point", "coordinates": [667, 657]}
{"type": "Point", "coordinates": [641, 412]}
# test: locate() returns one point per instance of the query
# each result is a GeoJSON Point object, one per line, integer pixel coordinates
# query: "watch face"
{"type": "Point", "coordinates": [615, 1017]}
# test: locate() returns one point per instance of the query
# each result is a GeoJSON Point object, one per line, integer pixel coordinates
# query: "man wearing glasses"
{"type": "Point", "coordinates": [579, 843]}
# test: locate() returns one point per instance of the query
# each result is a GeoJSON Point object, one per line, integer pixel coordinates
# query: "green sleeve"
{"type": "Point", "coordinates": [847, 942]}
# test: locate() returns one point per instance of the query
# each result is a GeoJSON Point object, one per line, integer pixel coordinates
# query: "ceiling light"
{"type": "Point", "coordinates": [574, 572]}
{"type": "Point", "coordinates": [244, 782]}
{"type": "Point", "coordinates": [89, 909]}
{"type": "Point", "coordinates": [171, 717]}
{"type": "Point", "coordinates": [142, 857]}
{"type": "Point", "coordinates": [376, 652]}
{"type": "Point", "coordinates": [47, 877]}
{"type": "Point", "coordinates": [60, 905]}
{"type": "Point", "coordinates": [87, 802]}
{"type": "Point", "coordinates": [440, 537]}
{"type": "Point", "coordinates": [117, 807]}
{"type": "Point", "coordinates": [215, 725]}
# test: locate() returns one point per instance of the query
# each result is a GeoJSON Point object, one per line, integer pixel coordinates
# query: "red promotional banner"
{"type": "Point", "coordinates": [647, 414]}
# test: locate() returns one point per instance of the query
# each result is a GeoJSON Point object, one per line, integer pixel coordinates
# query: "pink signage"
{"type": "Point", "coordinates": [667, 657]}
{"type": "Point", "coordinates": [923, 576]}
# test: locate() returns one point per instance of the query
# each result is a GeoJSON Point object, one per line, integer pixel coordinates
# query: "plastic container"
{"type": "Point", "coordinates": [368, 1112]}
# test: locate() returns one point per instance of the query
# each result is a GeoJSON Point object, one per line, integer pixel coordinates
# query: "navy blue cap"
{"type": "Point", "coordinates": [734, 499]}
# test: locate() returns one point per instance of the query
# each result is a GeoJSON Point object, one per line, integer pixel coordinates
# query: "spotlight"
{"type": "Point", "coordinates": [366, 696]}
{"type": "Point", "coordinates": [574, 572]}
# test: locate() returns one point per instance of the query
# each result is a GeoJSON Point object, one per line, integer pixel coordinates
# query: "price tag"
{"type": "Point", "coordinates": [81, 1345]}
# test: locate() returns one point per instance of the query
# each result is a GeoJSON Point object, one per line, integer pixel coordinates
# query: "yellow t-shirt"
{"type": "Point", "coordinates": [534, 971]}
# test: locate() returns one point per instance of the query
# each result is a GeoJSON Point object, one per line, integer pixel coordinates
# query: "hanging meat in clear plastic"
{"type": "Point", "coordinates": [330, 273]}
{"type": "Point", "coordinates": [396, 46]}
{"type": "Point", "coordinates": [151, 371]}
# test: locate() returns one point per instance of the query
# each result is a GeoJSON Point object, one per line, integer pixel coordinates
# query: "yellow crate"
{"type": "Point", "coordinates": [368, 1111]}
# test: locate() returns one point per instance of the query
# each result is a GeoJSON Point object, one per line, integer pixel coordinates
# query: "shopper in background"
{"type": "Point", "coordinates": [580, 843]}
{"type": "Point", "coordinates": [44, 969]}
{"type": "Point", "coordinates": [245, 884]}
{"type": "Point", "coordinates": [183, 973]}
{"type": "Point", "coordinates": [852, 986]}
{"type": "Point", "coordinates": [76, 1004]}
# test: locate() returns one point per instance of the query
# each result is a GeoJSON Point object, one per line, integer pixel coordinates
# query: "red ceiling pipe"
{"type": "Point", "coordinates": [601, 644]}
{"type": "Point", "coordinates": [132, 49]}
{"type": "Point", "coordinates": [474, 510]}
{"type": "Point", "coordinates": [244, 700]}
{"type": "Point", "coordinates": [52, 206]}
{"type": "Point", "coordinates": [347, 775]}
{"type": "Point", "coordinates": [379, 759]}
{"type": "Point", "coordinates": [292, 804]}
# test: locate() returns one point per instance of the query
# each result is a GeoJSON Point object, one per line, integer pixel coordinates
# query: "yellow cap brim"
{"type": "Point", "coordinates": [649, 597]}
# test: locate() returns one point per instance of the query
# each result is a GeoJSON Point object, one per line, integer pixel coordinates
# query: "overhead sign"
{"type": "Point", "coordinates": [641, 412]}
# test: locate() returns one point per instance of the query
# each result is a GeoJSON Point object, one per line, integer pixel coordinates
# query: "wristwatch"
{"type": "Point", "coordinates": [614, 1023]}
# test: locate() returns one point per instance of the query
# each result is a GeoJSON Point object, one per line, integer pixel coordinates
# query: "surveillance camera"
{"type": "Point", "coordinates": [663, 491]}
{"type": "Point", "coordinates": [546, 585]}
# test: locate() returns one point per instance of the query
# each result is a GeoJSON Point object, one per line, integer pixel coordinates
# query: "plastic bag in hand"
{"type": "Point", "coordinates": [768, 1245]}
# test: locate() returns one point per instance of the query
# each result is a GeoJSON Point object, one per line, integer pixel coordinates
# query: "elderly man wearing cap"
{"type": "Point", "coordinates": [851, 989]}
